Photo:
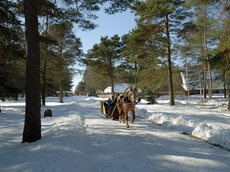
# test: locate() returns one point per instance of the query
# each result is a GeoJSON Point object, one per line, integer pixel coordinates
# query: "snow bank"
{"type": "Point", "coordinates": [215, 135]}
{"type": "Point", "coordinates": [207, 127]}
{"type": "Point", "coordinates": [172, 122]}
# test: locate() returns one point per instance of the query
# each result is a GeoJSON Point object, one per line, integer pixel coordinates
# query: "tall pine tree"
{"type": "Point", "coordinates": [104, 57]}
{"type": "Point", "coordinates": [66, 51]}
{"type": "Point", "coordinates": [167, 15]}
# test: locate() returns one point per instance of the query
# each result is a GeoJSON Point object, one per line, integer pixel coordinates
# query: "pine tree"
{"type": "Point", "coordinates": [205, 17]}
{"type": "Point", "coordinates": [50, 12]}
{"type": "Point", "coordinates": [104, 56]}
{"type": "Point", "coordinates": [224, 46]}
{"type": "Point", "coordinates": [11, 51]}
{"type": "Point", "coordinates": [142, 49]}
{"type": "Point", "coordinates": [94, 80]}
{"type": "Point", "coordinates": [80, 89]}
{"type": "Point", "coordinates": [221, 57]}
{"type": "Point", "coordinates": [66, 53]}
{"type": "Point", "coordinates": [165, 15]}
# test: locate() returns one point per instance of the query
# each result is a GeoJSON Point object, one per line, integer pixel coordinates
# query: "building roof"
{"type": "Point", "coordinates": [118, 88]}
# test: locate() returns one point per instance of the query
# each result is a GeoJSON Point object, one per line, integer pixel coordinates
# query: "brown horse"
{"type": "Point", "coordinates": [126, 103]}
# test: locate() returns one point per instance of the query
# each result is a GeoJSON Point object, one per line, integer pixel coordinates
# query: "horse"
{"type": "Point", "coordinates": [126, 103]}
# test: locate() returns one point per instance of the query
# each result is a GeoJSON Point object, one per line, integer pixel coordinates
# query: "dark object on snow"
{"type": "Point", "coordinates": [48, 113]}
{"type": "Point", "coordinates": [152, 99]}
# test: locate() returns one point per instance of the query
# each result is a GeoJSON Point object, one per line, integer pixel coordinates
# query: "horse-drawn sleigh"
{"type": "Point", "coordinates": [119, 107]}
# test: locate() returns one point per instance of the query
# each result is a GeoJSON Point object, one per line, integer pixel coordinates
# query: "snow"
{"type": "Point", "coordinates": [208, 121]}
{"type": "Point", "coordinates": [79, 138]}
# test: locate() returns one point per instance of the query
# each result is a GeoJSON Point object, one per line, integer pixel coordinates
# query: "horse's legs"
{"type": "Point", "coordinates": [134, 116]}
{"type": "Point", "coordinates": [121, 116]}
{"type": "Point", "coordinates": [126, 119]}
{"type": "Point", "coordinates": [120, 113]}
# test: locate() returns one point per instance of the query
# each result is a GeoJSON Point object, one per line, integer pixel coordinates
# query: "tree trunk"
{"type": "Point", "coordinates": [224, 82]}
{"type": "Point", "coordinates": [112, 86]}
{"type": "Point", "coordinates": [210, 81]}
{"type": "Point", "coordinates": [200, 80]}
{"type": "Point", "coordinates": [206, 53]}
{"type": "Point", "coordinates": [32, 124]}
{"type": "Point", "coordinates": [111, 76]}
{"type": "Point", "coordinates": [228, 80]}
{"type": "Point", "coordinates": [45, 65]}
{"type": "Point", "coordinates": [228, 84]}
{"type": "Point", "coordinates": [44, 84]}
{"type": "Point", "coordinates": [60, 80]}
{"type": "Point", "coordinates": [204, 82]}
{"type": "Point", "coordinates": [136, 73]}
{"type": "Point", "coordinates": [171, 92]}
{"type": "Point", "coordinates": [61, 96]}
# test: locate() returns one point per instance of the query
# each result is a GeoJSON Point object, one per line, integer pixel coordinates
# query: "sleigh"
{"type": "Point", "coordinates": [125, 102]}
{"type": "Point", "coordinates": [109, 110]}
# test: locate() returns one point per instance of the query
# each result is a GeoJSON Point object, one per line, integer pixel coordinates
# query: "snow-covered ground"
{"type": "Point", "coordinates": [79, 138]}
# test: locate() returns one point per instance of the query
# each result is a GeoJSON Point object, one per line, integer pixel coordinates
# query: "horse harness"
{"type": "Point", "coordinates": [123, 98]}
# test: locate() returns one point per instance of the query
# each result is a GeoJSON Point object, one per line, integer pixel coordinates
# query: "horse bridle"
{"type": "Point", "coordinates": [136, 98]}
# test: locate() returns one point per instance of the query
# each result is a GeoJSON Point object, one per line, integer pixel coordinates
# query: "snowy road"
{"type": "Point", "coordinates": [148, 147]}
{"type": "Point", "coordinates": [79, 138]}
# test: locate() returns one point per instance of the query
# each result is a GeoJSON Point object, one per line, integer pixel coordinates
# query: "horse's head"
{"type": "Point", "coordinates": [132, 95]}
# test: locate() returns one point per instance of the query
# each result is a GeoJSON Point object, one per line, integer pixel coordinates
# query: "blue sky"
{"type": "Point", "coordinates": [108, 25]}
